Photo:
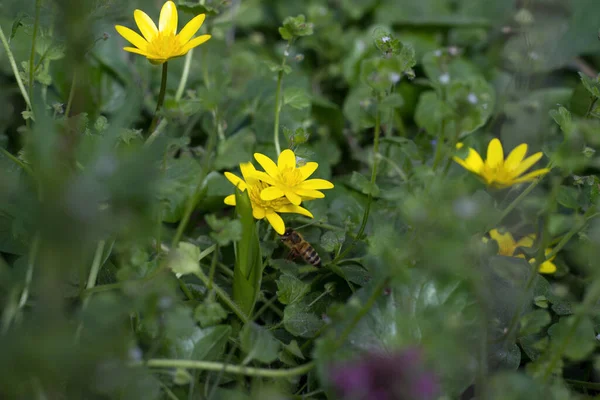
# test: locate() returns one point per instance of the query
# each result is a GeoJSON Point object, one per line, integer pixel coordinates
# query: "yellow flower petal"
{"type": "Point", "coordinates": [230, 200]}
{"type": "Point", "coordinates": [268, 165]}
{"type": "Point", "coordinates": [495, 154]}
{"type": "Point", "coordinates": [506, 242]}
{"type": "Point", "coordinates": [167, 22]}
{"type": "Point", "coordinates": [194, 43]}
{"type": "Point", "coordinates": [312, 194]}
{"type": "Point", "coordinates": [237, 182]}
{"type": "Point", "coordinates": [262, 176]}
{"type": "Point", "coordinates": [276, 222]}
{"type": "Point", "coordinates": [271, 193]}
{"type": "Point", "coordinates": [295, 209]}
{"type": "Point", "coordinates": [132, 37]}
{"type": "Point", "coordinates": [248, 171]}
{"type": "Point", "coordinates": [190, 29]}
{"type": "Point", "coordinates": [258, 212]}
{"type": "Point", "coordinates": [532, 175]}
{"type": "Point", "coordinates": [287, 159]}
{"type": "Point", "coordinates": [527, 163]}
{"type": "Point", "coordinates": [526, 241]}
{"type": "Point", "coordinates": [308, 169]}
{"type": "Point", "coordinates": [136, 51]}
{"type": "Point", "coordinates": [515, 157]}
{"type": "Point", "coordinates": [317, 184]}
{"type": "Point", "coordinates": [547, 267]}
{"type": "Point", "coordinates": [293, 198]}
{"type": "Point", "coordinates": [145, 24]}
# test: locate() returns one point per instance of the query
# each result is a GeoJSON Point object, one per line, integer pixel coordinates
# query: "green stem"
{"type": "Point", "coordinates": [361, 313]}
{"type": "Point", "coordinates": [71, 94]}
{"type": "Point", "coordinates": [161, 96]}
{"type": "Point", "coordinates": [365, 218]}
{"type": "Point", "coordinates": [91, 282]}
{"type": "Point", "coordinates": [15, 69]}
{"type": "Point", "coordinates": [30, 265]}
{"type": "Point", "coordinates": [230, 368]}
{"type": "Point", "coordinates": [278, 102]}
{"type": "Point", "coordinates": [20, 163]}
{"type": "Point", "coordinates": [277, 111]}
{"type": "Point", "coordinates": [184, 75]}
{"type": "Point", "coordinates": [36, 22]}
{"type": "Point", "coordinates": [439, 145]}
{"type": "Point", "coordinates": [223, 296]}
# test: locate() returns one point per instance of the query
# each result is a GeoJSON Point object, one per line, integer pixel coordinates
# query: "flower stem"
{"type": "Point", "coordinates": [184, 75]}
{"type": "Point", "coordinates": [365, 218]}
{"type": "Point", "coordinates": [277, 111]}
{"type": "Point", "coordinates": [230, 368]}
{"type": "Point", "coordinates": [278, 102]}
{"type": "Point", "coordinates": [15, 69]}
{"type": "Point", "coordinates": [36, 22]}
{"type": "Point", "coordinates": [161, 96]}
{"type": "Point", "coordinates": [30, 265]}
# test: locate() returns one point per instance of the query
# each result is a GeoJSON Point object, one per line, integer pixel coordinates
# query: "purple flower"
{"type": "Point", "coordinates": [378, 376]}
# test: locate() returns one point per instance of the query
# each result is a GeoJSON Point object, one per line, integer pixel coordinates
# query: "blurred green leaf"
{"type": "Point", "coordinates": [258, 343]}
{"type": "Point", "coordinates": [533, 322]}
{"type": "Point", "coordinates": [209, 312]}
{"type": "Point", "coordinates": [179, 183]}
{"type": "Point", "coordinates": [235, 149]}
{"type": "Point", "coordinates": [301, 319]}
{"type": "Point", "coordinates": [296, 97]}
{"type": "Point", "coordinates": [225, 230]}
{"type": "Point", "coordinates": [574, 336]}
{"type": "Point", "coordinates": [186, 259]}
{"type": "Point", "coordinates": [361, 183]}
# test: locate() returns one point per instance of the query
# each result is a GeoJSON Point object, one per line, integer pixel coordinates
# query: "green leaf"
{"type": "Point", "coordinates": [235, 149]}
{"type": "Point", "coordinates": [301, 318]}
{"type": "Point", "coordinates": [592, 85]}
{"type": "Point", "coordinates": [195, 8]}
{"type": "Point", "coordinates": [291, 289]}
{"type": "Point", "coordinates": [248, 260]}
{"type": "Point", "coordinates": [533, 322]}
{"type": "Point", "coordinates": [563, 118]}
{"type": "Point", "coordinates": [575, 341]}
{"type": "Point", "coordinates": [296, 97]}
{"type": "Point", "coordinates": [180, 181]}
{"type": "Point", "coordinates": [17, 22]}
{"type": "Point", "coordinates": [186, 259]}
{"type": "Point", "coordinates": [382, 73]}
{"type": "Point", "coordinates": [472, 102]}
{"type": "Point", "coordinates": [209, 312]}
{"type": "Point", "coordinates": [225, 230]}
{"type": "Point", "coordinates": [567, 197]}
{"type": "Point", "coordinates": [430, 113]}
{"type": "Point", "coordinates": [332, 240]}
{"type": "Point", "coordinates": [258, 343]}
{"type": "Point", "coordinates": [295, 27]}
{"type": "Point", "coordinates": [363, 184]}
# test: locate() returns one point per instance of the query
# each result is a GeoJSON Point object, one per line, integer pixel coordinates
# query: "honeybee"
{"type": "Point", "coordinates": [300, 247]}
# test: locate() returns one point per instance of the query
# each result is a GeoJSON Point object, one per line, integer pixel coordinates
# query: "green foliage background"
{"type": "Point", "coordinates": [105, 293]}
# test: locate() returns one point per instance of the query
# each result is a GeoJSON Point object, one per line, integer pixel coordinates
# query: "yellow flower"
{"type": "Point", "coordinates": [501, 173]}
{"type": "Point", "coordinates": [163, 43]}
{"type": "Point", "coordinates": [507, 247]}
{"type": "Point", "coordinates": [262, 208]}
{"type": "Point", "coordinates": [289, 181]}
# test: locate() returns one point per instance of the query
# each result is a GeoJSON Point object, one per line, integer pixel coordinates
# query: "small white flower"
{"type": "Point", "coordinates": [472, 98]}
{"type": "Point", "coordinates": [533, 55]}
{"type": "Point", "coordinates": [286, 53]}
{"type": "Point", "coordinates": [445, 78]}
{"type": "Point", "coordinates": [438, 53]}
{"type": "Point", "coordinates": [385, 39]}
{"type": "Point", "coordinates": [360, 46]}
{"type": "Point", "coordinates": [394, 77]}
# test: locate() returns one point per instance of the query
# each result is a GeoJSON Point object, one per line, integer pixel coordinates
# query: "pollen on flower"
{"type": "Point", "coordinates": [164, 45]}
{"type": "Point", "coordinates": [254, 194]}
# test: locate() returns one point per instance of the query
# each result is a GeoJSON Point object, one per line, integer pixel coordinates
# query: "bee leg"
{"type": "Point", "coordinates": [292, 255]}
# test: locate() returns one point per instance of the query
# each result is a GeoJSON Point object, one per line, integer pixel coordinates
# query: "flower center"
{"type": "Point", "coordinates": [254, 194]}
{"type": "Point", "coordinates": [164, 45]}
{"type": "Point", "coordinates": [290, 177]}
{"type": "Point", "coordinates": [497, 174]}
